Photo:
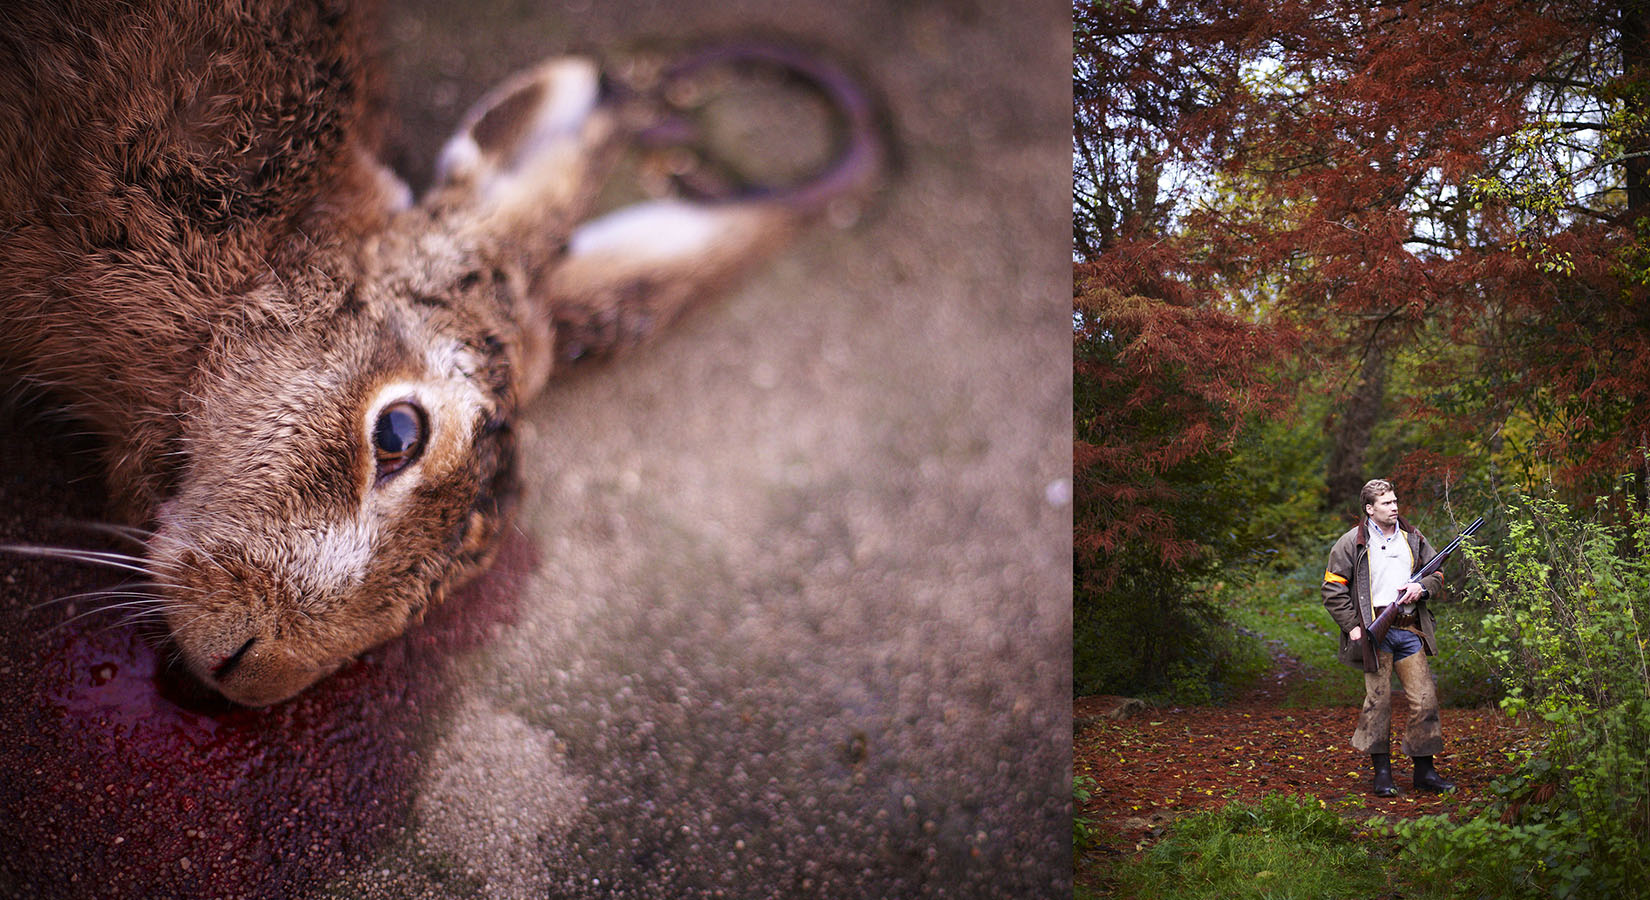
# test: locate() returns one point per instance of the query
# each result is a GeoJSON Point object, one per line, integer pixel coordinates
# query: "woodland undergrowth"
{"type": "Point", "coordinates": [1568, 595]}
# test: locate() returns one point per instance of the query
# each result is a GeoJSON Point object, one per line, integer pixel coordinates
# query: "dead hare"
{"type": "Point", "coordinates": [303, 378]}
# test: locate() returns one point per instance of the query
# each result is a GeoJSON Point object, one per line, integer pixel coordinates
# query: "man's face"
{"type": "Point", "coordinates": [1384, 510]}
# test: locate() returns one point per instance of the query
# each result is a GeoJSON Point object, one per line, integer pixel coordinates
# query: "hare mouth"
{"type": "Point", "coordinates": [222, 670]}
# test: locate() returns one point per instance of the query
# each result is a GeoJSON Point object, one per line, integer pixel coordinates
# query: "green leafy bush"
{"type": "Point", "coordinates": [1466, 675]}
{"type": "Point", "coordinates": [1275, 479]}
{"type": "Point", "coordinates": [1167, 643]}
{"type": "Point", "coordinates": [1566, 631]}
{"type": "Point", "coordinates": [1084, 830]}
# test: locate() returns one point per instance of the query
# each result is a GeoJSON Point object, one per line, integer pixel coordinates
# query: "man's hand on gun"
{"type": "Point", "coordinates": [1410, 593]}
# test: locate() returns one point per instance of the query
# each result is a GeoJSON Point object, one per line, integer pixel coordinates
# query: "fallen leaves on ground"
{"type": "Point", "coordinates": [1158, 764]}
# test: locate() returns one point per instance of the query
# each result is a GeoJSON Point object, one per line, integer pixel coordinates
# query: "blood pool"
{"type": "Point", "coordinates": [120, 778]}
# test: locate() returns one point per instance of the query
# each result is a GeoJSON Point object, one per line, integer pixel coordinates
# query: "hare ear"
{"type": "Point", "coordinates": [523, 160]}
{"type": "Point", "coordinates": [517, 175]}
{"type": "Point", "coordinates": [634, 269]}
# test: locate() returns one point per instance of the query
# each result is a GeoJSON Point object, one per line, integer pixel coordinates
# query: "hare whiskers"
{"type": "Point", "coordinates": [110, 559]}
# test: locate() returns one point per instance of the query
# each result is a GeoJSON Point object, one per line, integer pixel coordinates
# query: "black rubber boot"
{"type": "Point", "coordinates": [1428, 779]}
{"type": "Point", "coordinates": [1383, 775]}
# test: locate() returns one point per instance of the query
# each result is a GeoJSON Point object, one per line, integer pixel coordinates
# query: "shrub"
{"type": "Point", "coordinates": [1566, 630]}
{"type": "Point", "coordinates": [1084, 829]}
{"type": "Point", "coordinates": [1166, 643]}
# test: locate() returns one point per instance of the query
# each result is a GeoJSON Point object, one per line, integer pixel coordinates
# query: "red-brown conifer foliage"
{"type": "Point", "coordinates": [1462, 185]}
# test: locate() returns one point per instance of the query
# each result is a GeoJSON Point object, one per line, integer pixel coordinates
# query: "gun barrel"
{"type": "Point", "coordinates": [1383, 622]}
{"type": "Point", "coordinates": [1437, 562]}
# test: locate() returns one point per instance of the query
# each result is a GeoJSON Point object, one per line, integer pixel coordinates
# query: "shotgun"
{"type": "Point", "coordinates": [1383, 623]}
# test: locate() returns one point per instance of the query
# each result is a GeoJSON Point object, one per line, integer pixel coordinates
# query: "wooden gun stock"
{"type": "Point", "coordinates": [1376, 631]}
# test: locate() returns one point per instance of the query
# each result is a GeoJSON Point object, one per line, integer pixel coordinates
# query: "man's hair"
{"type": "Point", "coordinates": [1373, 489]}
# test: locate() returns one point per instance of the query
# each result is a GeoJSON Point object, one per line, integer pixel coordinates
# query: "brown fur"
{"type": "Point", "coordinates": [200, 255]}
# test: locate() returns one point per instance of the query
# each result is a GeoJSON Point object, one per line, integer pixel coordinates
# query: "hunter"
{"type": "Point", "coordinates": [1369, 568]}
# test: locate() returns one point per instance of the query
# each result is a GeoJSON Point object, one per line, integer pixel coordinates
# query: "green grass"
{"type": "Point", "coordinates": [1280, 848]}
{"type": "Point", "coordinates": [1288, 608]}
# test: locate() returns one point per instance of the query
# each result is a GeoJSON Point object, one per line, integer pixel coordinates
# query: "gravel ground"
{"type": "Point", "coordinates": [787, 608]}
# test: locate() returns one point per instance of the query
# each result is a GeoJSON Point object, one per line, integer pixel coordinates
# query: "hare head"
{"type": "Point", "coordinates": [332, 451]}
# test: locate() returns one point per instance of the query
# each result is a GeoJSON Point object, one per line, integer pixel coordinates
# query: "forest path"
{"type": "Point", "coordinates": [1155, 764]}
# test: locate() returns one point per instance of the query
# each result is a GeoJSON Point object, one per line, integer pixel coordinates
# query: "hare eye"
{"type": "Point", "coordinates": [398, 437]}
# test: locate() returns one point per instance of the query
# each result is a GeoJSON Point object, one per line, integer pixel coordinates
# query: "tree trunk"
{"type": "Point", "coordinates": [1353, 427]}
{"type": "Point", "coordinates": [1634, 31]}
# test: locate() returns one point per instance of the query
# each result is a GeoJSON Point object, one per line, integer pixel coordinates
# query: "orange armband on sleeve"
{"type": "Point", "coordinates": [1331, 578]}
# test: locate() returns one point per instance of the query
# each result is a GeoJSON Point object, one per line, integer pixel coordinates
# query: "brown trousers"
{"type": "Point", "coordinates": [1424, 735]}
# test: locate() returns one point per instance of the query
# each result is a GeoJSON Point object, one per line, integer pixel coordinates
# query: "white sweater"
{"type": "Point", "coordinates": [1390, 565]}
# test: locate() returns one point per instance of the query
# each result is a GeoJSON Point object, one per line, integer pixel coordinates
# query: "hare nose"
{"type": "Point", "coordinates": [260, 673]}
{"type": "Point", "coordinates": [222, 669]}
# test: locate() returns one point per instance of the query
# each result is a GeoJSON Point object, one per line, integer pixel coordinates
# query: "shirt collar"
{"type": "Point", "coordinates": [1376, 532]}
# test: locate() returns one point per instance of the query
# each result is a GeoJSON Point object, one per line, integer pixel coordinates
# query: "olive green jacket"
{"type": "Point", "coordinates": [1346, 587]}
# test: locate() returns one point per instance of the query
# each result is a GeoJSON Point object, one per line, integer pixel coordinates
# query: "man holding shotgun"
{"type": "Point", "coordinates": [1369, 569]}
